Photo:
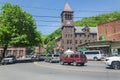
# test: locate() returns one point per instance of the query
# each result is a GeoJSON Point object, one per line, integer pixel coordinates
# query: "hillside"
{"type": "Point", "coordinates": [90, 21]}
{"type": "Point", "coordinates": [95, 20]}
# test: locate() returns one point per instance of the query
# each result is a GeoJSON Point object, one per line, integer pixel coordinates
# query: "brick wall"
{"type": "Point", "coordinates": [110, 30]}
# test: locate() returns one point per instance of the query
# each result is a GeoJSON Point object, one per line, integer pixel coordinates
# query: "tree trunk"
{"type": "Point", "coordinates": [4, 50]}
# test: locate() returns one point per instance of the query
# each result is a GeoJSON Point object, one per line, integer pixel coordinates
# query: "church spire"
{"type": "Point", "coordinates": [67, 7]}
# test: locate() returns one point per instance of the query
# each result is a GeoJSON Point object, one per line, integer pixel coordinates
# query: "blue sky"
{"type": "Point", "coordinates": [47, 12]}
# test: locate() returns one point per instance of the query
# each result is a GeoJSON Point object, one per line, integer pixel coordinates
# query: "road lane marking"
{"type": "Point", "coordinates": [35, 62]}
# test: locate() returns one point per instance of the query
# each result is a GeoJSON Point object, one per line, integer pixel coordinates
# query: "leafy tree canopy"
{"type": "Point", "coordinates": [56, 34]}
{"type": "Point", "coordinates": [17, 27]}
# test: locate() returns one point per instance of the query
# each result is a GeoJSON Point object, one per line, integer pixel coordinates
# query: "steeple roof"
{"type": "Point", "coordinates": [67, 7]}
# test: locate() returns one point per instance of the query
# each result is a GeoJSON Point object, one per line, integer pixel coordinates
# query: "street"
{"type": "Point", "coordinates": [93, 70]}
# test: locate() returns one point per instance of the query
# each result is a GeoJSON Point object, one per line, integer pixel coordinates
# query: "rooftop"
{"type": "Point", "coordinates": [67, 7]}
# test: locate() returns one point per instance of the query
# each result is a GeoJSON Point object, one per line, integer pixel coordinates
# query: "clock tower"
{"type": "Point", "coordinates": [67, 16]}
{"type": "Point", "coordinates": [68, 36]}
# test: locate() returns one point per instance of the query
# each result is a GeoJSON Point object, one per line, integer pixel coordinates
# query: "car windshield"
{"type": "Point", "coordinates": [43, 55]}
{"type": "Point", "coordinates": [9, 57]}
{"type": "Point", "coordinates": [56, 55]}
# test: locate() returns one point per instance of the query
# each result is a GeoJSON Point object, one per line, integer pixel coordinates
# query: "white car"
{"type": "Point", "coordinates": [113, 62]}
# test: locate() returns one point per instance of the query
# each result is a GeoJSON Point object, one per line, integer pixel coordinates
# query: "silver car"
{"type": "Point", "coordinates": [8, 60]}
{"type": "Point", "coordinates": [52, 58]}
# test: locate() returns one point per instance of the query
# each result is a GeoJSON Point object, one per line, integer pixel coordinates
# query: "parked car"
{"type": "Point", "coordinates": [113, 62]}
{"type": "Point", "coordinates": [42, 57]}
{"type": "Point", "coordinates": [74, 59]}
{"type": "Point", "coordinates": [8, 60]}
{"type": "Point", "coordinates": [52, 58]}
{"type": "Point", "coordinates": [35, 57]}
{"type": "Point", "coordinates": [93, 55]}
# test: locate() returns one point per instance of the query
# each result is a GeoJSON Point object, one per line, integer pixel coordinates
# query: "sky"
{"type": "Point", "coordinates": [47, 13]}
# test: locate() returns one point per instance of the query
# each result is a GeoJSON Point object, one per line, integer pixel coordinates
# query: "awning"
{"type": "Point", "coordinates": [99, 46]}
{"type": "Point", "coordinates": [82, 49]}
{"type": "Point", "coordinates": [69, 52]}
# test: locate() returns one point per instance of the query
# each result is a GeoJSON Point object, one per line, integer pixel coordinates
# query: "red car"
{"type": "Point", "coordinates": [74, 59]}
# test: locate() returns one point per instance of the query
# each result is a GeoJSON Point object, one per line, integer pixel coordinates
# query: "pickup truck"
{"type": "Point", "coordinates": [113, 62]}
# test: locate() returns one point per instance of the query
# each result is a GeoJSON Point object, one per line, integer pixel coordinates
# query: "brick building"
{"type": "Point", "coordinates": [109, 30]}
{"type": "Point", "coordinates": [19, 52]}
{"type": "Point", "coordinates": [73, 36]}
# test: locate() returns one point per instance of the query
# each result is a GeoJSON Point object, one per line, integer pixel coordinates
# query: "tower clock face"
{"type": "Point", "coordinates": [68, 22]}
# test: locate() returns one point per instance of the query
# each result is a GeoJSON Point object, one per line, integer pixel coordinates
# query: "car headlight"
{"type": "Point", "coordinates": [106, 59]}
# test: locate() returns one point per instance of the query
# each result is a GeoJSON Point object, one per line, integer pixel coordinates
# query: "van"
{"type": "Point", "coordinates": [93, 55]}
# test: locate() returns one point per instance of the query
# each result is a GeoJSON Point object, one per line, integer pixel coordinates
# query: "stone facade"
{"type": "Point", "coordinates": [110, 30]}
{"type": "Point", "coordinates": [73, 36]}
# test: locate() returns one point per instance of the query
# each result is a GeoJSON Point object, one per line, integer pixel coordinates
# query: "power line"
{"type": "Point", "coordinates": [47, 16]}
{"type": "Point", "coordinates": [54, 16]}
{"type": "Point", "coordinates": [48, 21]}
{"type": "Point", "coordinates": [60, 17]}
{"type": "Point", "coordinates": [58, 26]}
{"type": "Point", "coordinates": [56, 9]}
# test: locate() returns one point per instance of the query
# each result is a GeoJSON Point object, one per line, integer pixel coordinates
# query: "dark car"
{"type": "Point", "coordinates": [8, 60]}
{"type": "Point", "coordinates": [74, 59]}
{"type": "Point", "coordinates": [42, 57]}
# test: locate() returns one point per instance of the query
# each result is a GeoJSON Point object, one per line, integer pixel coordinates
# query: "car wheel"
{"type": "Point", "coordinates": [82, 64]}
{"type": "Point", "coordinates": [50, 61]}
{"type": "Point", "coordinates": [74, 63]}
{"type": "Point", "coordinates": [2, 63]}
{"type": "Point", "coordinates": [61, 62]}
{"type": "Point", "coordinates": [69, 63]}
{"type": "Point", "coordinates": [95, 58]}
{"type": "Point", "coordinates": [116, 65]}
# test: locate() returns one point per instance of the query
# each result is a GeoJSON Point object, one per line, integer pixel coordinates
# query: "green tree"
{"type": "Point", "coordinates": [100, 19]}
{"type": "Point", "coordinates": [53, 36]}
{"type": "Point", "coordinates": [17, 28]}
{"type": "Point", "coordinates": [50, 47]}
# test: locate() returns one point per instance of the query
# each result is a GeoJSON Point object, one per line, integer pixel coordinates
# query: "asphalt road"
{"type": "Point", "coordinates": [54, 71]}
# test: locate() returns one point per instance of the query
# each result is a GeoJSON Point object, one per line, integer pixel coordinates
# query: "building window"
{"type": "Point", "coordinates": [75, 35]}
{"type": "Point", "coordinates": [88, 36]}
{"type": "Point", "coordinates": [80, 35]}
{"type": "Point", "coordinates": [113, 39]}
{"type": "Point", "coordinates": [62, 41]}
{"type": "Point", "coordinates": [85, 35]}
{"type": "Point", "coordinates": [106, 30]}
{"type": "Point", "coordinates": [15, 52]}
{"type": "Point", "coordinates": [66, 35]}
{"type": "Point", "coordinates": [76, 48]}
{"type": "Point", "coordinates": [75, 41]}
{"type": "Point", "coordinates": [68, 16]}
{"type": "Point", "coordinates": [67, 41]}
{"type": "Point", "coordinates": [88, 40]}
{"type": "Point", "coordinates": [70, 41]}
{"type": "Point", "coordinates": [80, 42]}
{"type": "Point", "coordinates": [93, 35]}
{"type": "Point", "coordinates": [114, 29]}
